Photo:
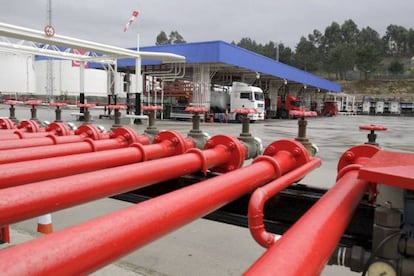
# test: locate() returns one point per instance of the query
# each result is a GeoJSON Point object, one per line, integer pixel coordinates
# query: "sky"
{"type": "Point", "coordinates": [284, 22]}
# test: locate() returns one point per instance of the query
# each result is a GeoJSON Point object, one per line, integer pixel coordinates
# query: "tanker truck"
{"type": "Point", "coordinates": [225, 101]}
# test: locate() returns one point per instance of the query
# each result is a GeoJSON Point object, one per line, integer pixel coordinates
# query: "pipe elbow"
{"type": "Point", "coordinates": [255, 218]}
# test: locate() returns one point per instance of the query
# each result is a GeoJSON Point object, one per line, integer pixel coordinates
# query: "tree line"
{"type": "Point", "coordinates": [338, 50]}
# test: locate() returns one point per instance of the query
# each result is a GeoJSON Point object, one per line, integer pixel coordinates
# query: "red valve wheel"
{"type": "Point", "coordinates": [87, 105]}
{"type": "Point", "coordinates": [57, 104]}
{"type": "Point", "coordinates": [151, 107]}
{"type": "Point", "coordinates": [11, 102]}
{"type": "Point", "coordinates": [196, 109]}
{"type": "Point", "coordinates": [373, 127]}
{"type": "Point", "coordinates": [117, 106]}
{"type": "Point", "coordinates": [33, 102]}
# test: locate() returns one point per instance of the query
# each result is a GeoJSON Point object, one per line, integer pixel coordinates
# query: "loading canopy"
{"type": "Point", "coordinates": [231, 60]}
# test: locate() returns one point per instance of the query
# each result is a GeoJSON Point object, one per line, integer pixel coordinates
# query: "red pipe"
{"type": "Point", "coordinates": [5, 234]}
{"type": "Point", "coordinates": [6, 123]}
{"type": "Point", "coordinates": [307, 246]}
{"type": "Point", "coordinates": [91, 245]}
{"type": "Point", "coordinates": [262, 194]}
{"type": "Point", "coordinates": [122, 137]}
{"type": "Point", "coordinates": [27, 126]}
{"type": "Point", "coordinates": [84, 131]}
{"type": "Point", "coordinates": [167, 143]}
{"type": "Point", "coordinates": [30, 200]}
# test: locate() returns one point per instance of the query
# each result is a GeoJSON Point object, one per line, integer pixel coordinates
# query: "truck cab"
{"type": "Point", "coordinates": [287, 104]}
{"type": "Point", "coordinates": [245, 96]}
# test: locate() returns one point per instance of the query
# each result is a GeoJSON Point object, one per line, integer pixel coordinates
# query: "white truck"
{"type": "Point", "coordinates": [225, 101]}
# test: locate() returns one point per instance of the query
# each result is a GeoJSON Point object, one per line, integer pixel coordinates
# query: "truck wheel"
{"type": "Point", "coordinates": [239, 118]}
{"type": "Point", "coordinates": [284, 114]}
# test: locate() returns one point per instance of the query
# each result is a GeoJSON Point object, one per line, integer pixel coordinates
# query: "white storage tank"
{"type": "Point", "coordinates": [366, 105]}
{"type": "Point", "coordinates": [66, 78]}
{"type": "Point", "coordinates": [17, 74]}
{"type": "Point", "coordinates": [379, 107]}
{"type": "Point", "coordinates": [395, 108]}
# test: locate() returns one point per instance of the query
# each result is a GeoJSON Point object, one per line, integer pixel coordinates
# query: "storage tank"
{"type": "Point", "coordinates": [379, 107]}
{"type": "Point", "coordinates": [17, 73]}
{"type": "Point", "coordinates": [366, 106]}
{"type": "Point", "coordinates": [395, 107]}
{"type": "Point", "coordinates": [220, 100]}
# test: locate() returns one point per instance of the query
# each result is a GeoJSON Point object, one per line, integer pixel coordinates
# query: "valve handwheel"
{"type": "Point", "coordinates": [372, 136]}
{"type": "Point", "coordinates": [373, 127]}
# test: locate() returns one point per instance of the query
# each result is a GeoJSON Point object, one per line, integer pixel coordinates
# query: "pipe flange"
{"type": "Point", "coordinates": [30, 126]}
{"type": "Point", "coordinates": [89, 131]}
{"type": "Point", "coordinates": [178, 140]}
{"type": "Point", "coordinates": [127, 133]}
{"type": "Point", "coordinates": [235, 146]}
{"type": "Point", "coordinates": [354, 155]}
{"type": "Point", "coordinates": [6, 123]}
{"type": "Point", "coordinates": [60, 129]}
{"type": "Point", "coordinates": [298, 151]}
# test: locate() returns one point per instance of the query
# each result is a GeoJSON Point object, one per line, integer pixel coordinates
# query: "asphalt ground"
{"type": "Point", "coordinates": [210, 248]}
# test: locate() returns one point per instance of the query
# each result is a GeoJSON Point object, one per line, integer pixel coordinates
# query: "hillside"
{"type": "Point", "coordinates": [401, 90]}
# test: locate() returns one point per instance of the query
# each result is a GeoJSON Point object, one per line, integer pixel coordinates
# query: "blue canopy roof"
{"type": "Point", "coordinates": [222, 52]}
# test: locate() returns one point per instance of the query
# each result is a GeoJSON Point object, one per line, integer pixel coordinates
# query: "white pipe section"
{"type": "Point", "coordinates": [18, 32]}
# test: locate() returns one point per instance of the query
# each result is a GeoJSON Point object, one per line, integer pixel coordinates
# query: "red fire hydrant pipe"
{"type": "Point", "coordinates": [167, 143]}
{"type": "Point", "coordinates": [25, 129]}
{"type": "Point", "coordinates": [24, 126]}
{"type": "Point", "coordinates": [84, 131]}
{"type": "Point", "coordinates": [91, 245]}
{"type": "Point", "coordinates": [30, 200]}
{"type": "Point", "coordinates": [307, 246]}
{"type": "Point", "coordinates": [262, 194]}
{"type": "Point", "coordinates": [122, 137]}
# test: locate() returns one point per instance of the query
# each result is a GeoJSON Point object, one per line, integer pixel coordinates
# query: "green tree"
{"type": "Point", "coordinates": [339, 47]}
{"type": "Point", "coordinates": [270, 50]}
{"type": "Point", "coordinates": [410, 41]}
{"type": "Point", "coordinates": [175, 38]}
{"type": "Point", "coordinates": [306, 56]}
{"type": "Point", "coordinates": [285, 54]}
{"type": "Point", "coordinates": [340, 59]}
{"type": "Point", "coordinates": [332, 36]}
{"type": "Point", "coordinates": [368, 59]}
{"type": "Point", "coordinates": [249, 44]}
{"type": "Point", "coordinates": [369, 51]}
{"type": "Point", "coordinates": [349, 32]}
{"type": "Point", "coordinates": [162, 39]}
{"type": "Point", "coordinates": [397, 40]}
{"type": "Point", "coordinates": [396, 67]}
{"type": "Point", "coordinates": [316, 37]}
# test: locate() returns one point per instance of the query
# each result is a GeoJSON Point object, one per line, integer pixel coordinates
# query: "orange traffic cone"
{"type": "Point", "coordinates": [44, 224]}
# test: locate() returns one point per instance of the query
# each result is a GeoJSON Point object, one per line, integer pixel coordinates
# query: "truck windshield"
{"type": "Point", "coordinates": [258, 96]}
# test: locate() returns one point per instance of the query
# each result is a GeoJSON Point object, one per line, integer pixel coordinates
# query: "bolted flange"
{"type": "Point", "coordinates": [356, 155]}
{"type": "Point", "coordinates": [286, 148]}
{"type": "Point", "coordinates": [6, 123]}
{"type": "Point", "coordinates": [89, 131]}
{"type": "Point", "coordinates": [60, 129]}
{"type": "Point", "coordinates": [29, 125]}
{"type": "Point", "coordinates": [236, 148]}
{"type": "Point", "coordinates": [181, 145]}
{"type": "Point", "coordinates": [130, 136]}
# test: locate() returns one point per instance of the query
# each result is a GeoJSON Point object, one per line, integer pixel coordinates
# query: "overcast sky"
{"type": "Point", "coordinates": [262, 20]}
